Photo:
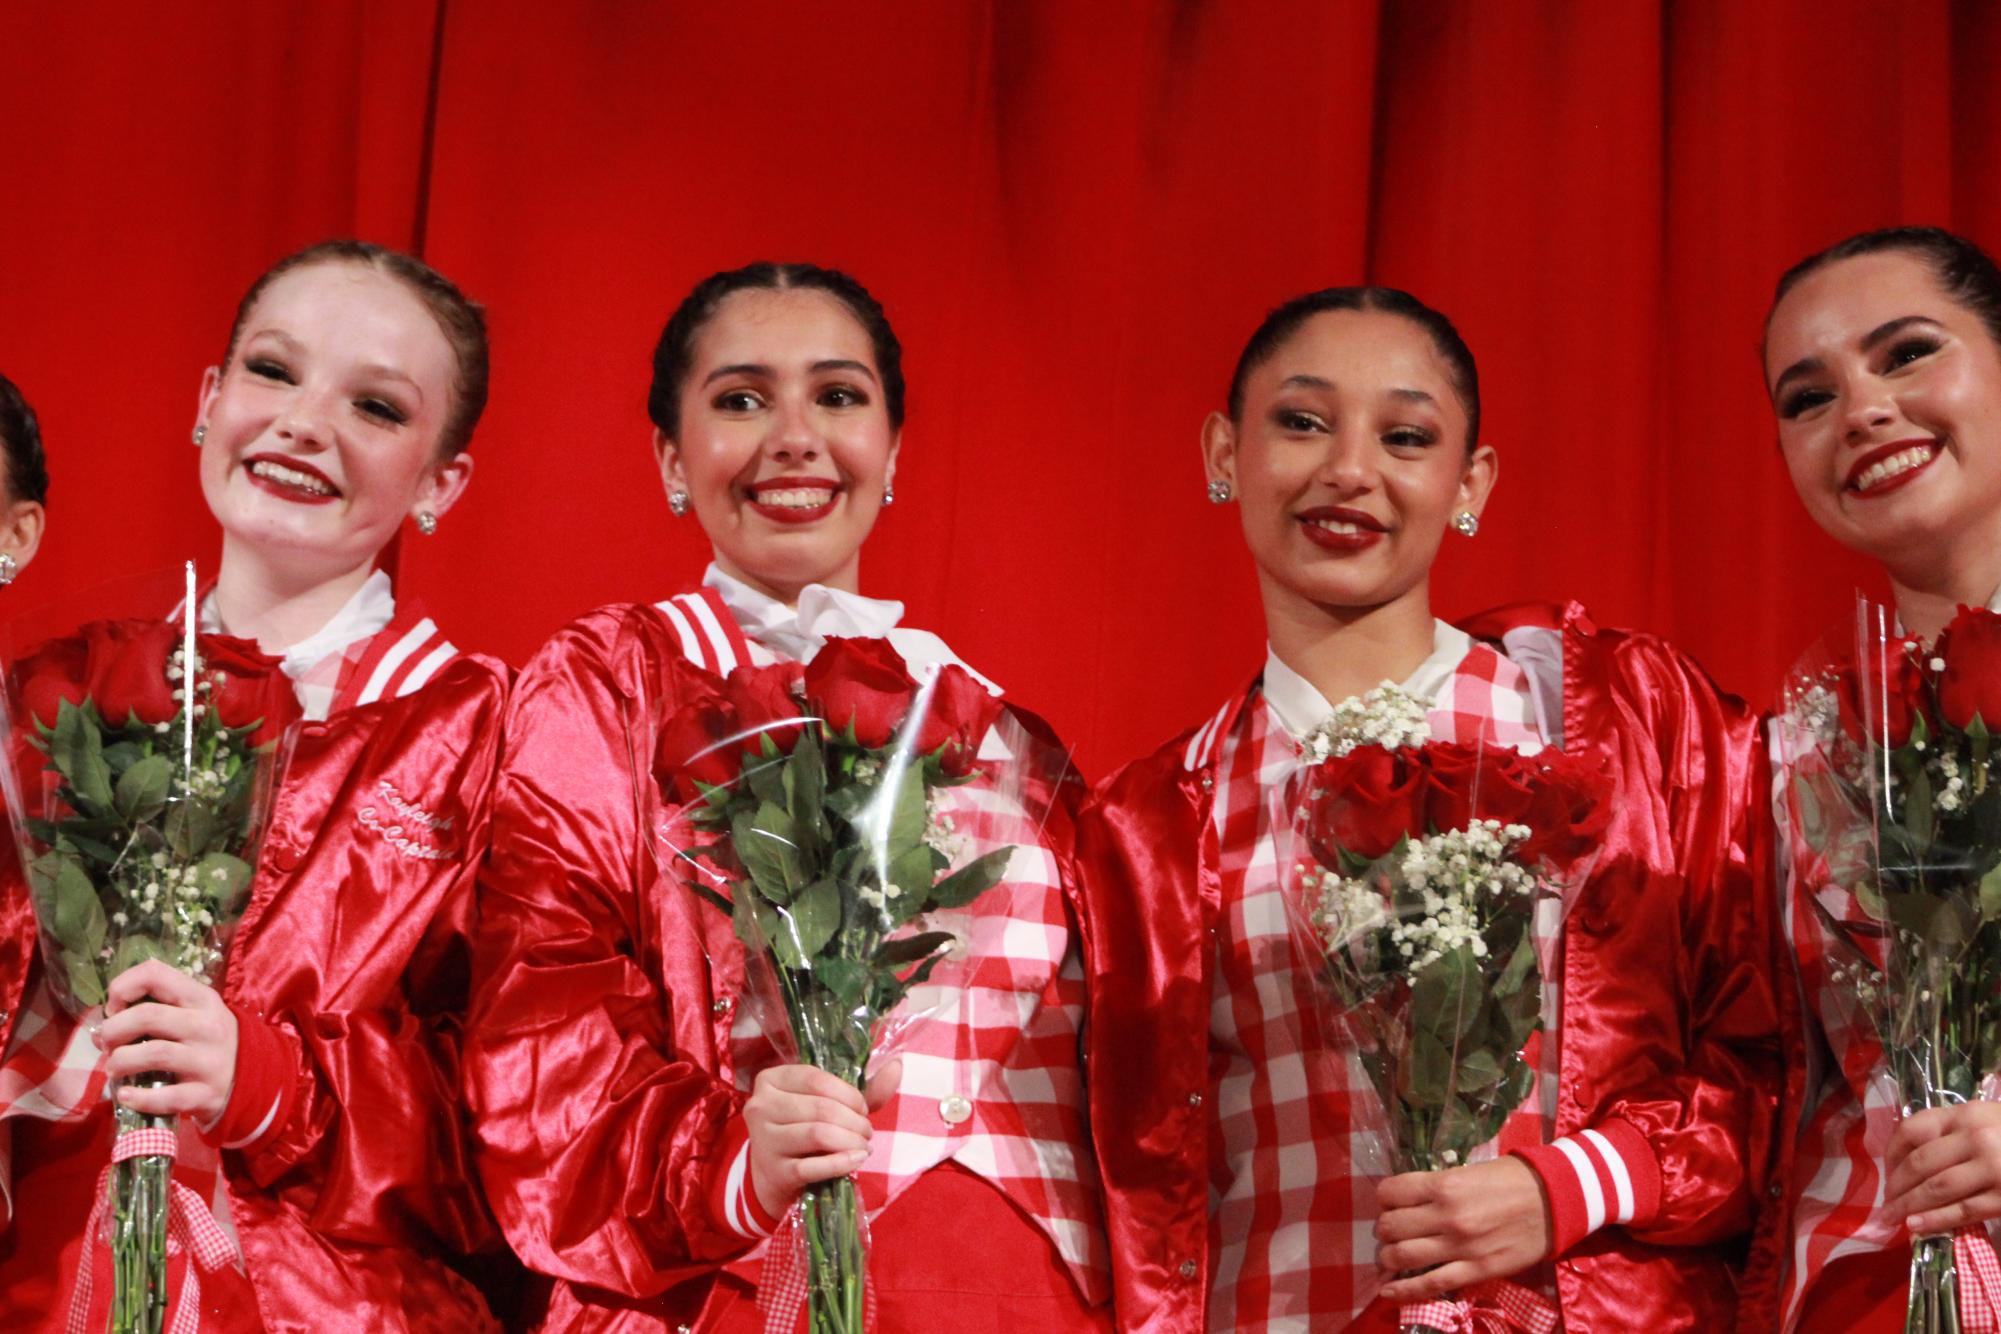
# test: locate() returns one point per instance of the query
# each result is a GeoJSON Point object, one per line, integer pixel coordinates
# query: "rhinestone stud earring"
{"type": "Point", "coordinates": [677, 501]}
{"type": "Point", "coordinates": [201, 433]}
{"type": "Point", "coordinates": [427, 522]}
{"type": "Point", "coordinates": [888, 495]}
{"type": "Point", "coordinates": [1466, 523]}
{"type": "Point", "coordinates": [1221, 492]}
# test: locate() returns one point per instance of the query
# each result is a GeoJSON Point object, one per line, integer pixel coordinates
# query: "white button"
{"type": "Point", "coordinates": [954, 1110]}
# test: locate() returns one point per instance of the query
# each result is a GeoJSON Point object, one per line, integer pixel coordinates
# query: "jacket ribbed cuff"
{"type": "Point", "coordinates": [1607, 1174]}
{"type": "Point", "coordinates": [265, 1087]}
{"type": "Point", "coordinates": [733, 1204]}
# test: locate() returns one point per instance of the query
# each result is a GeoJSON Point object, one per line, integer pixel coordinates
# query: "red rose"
{"type": "Point", "coordinates": [1363, 802]}
{"type": "Point", "coordinates": [1902, 690]}
{"type": "Point", "coordinates": [698, 739]}
{"type": "Point", "coordinates": [250, 687]}
{"type": "Point", "coordinates": [956, 720]}
{"type": "Point", "coordinates": [698, 744]}
{"type": "Point", "coordinates": [766, 703]}
{"type": "Point", "coordinates": [860, 683]}
{"type": "Point", "coordinates": [1454, 776]}
{"type": "Point", "coordinates": [1970, 686]}
{"type": "Point", "coordinates": [1567, 814]}
{"type": "Point", "coordinates": [128, 670]}
{"type": "Point", "coordinates": [54, 672]}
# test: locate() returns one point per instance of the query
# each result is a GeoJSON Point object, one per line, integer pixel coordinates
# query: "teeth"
{"type": "Point", "coordinates": [1341, 526]}
{"type": "Point", "coordinates": [1896, 465]}
{"type": "Point", "coordinates": [278, 472]}
{"type": "Point", "coordinates": [797, 498]}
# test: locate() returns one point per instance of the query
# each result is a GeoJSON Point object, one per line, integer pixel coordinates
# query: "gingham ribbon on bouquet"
{"type": "Point", "coordinates": [782, 1287]}
{"type": "Point", "coordinates": [191, 1230]}
{"type": "Point", "coordinates": [1494, 1307]}
{"type": "Point", "coordinates": [1979, 1281]}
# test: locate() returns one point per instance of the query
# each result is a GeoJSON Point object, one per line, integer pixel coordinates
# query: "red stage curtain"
{"type": "Point", "coordinates": [1075, 214]}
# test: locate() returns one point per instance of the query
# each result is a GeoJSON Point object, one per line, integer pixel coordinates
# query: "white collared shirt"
{"type": "Point", "coordinates": [1299, 706]}
{"type": "Point", "coordinates": [799, 631]}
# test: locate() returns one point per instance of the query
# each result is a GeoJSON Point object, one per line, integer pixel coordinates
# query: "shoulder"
{"type": "Point", "coordinates": [1635, 670]}
{"type": "Point", "coordinates": [1184, 755]}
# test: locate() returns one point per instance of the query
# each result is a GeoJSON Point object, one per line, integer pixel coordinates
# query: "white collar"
{"type": "Point", "coordinates": [822, 613]}
{"type": "Point", "coordinates": [372, 606]}
{"type": "Point", "coordinates": [1300, 707]}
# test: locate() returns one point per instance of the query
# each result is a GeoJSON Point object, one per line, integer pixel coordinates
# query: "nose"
{"type": "Point", "coordinates": [1347, 465]}
{"type": "Point", "coordinates": [1869, 409]}
{"type": "Point", "coordinates": [793, 437]}
{"type": "Point", "coordinates": [307, 419]}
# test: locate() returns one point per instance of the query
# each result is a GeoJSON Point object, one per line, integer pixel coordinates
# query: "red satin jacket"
{"type": "Point", "coordinates": [598, 1047]}
{"type": "Point", "coordinates": [354, 946]}
{"type": "Point", "coordinates": [1669, 1015]}
{"type": "Point", "coordinates": [599, 1066]}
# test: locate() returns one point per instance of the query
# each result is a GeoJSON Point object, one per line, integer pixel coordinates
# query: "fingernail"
{"type": "Point", "coordinates": [858, 1156]}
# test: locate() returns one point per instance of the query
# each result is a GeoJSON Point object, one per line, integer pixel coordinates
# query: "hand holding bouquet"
{"type": "Point", "coordinates": [815, 795]}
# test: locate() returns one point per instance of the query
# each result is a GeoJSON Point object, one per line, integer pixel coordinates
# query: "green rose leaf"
{"type": "Point", "coordinates": [1990, 895]}
{"type": "Point", "coordinates": [1428, 1078]}
{"type": "Point", "coordinates": [1520, 968]}
{"type": "Point", "coordinates": [973, 879]}
{"type": "Point", "coordinates": [1446, 995]}
{"type": "Point", "coordinates": [1479, 1069]}
{"type": "Point", "coordinates": [906, 950]}
{"type": "Point", "coordinates": [84, 982]}
{"type": "Point", "coordinates": [77, 748]}
{"type": "Point", "coordinates": [907, 816]}
{"type": "Point", "coordinates": [912, 872]}
{"type": "Point", "coordinates": [135, 950]}
{"type": "Point", "coordinates": [765, 773]}
{"type": "Point", "coordinates": [806, 784]}
{"type": "Point", "coordinates": [67, 900]}
{"type": "Point", "coordinates": [846, 979]}
{"type": "Point", "coordinates": [142, 789]}
{"type": "Point", "coordinates": [767, 843]}
{"type": "Point", "coordinates": [809, 923]}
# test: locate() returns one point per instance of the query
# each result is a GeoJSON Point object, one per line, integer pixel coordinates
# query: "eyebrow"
{"type": "Point", "coordinates": [373, 368]}
{"type": "Point", "coordinates": [1870, 341]}
{"type": "Point", "coordinates": [1319, 382]}
{"type": "Point", "coordinates": [759, 368]}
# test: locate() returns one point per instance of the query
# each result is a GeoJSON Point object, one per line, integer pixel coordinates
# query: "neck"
{"type": "Point", "coordinates": [1346, 651]}
{"type": "Point", "coordinates": [846, 579]}
{"type": "Point", "coordinates": [1930, 593]}
{"type": "Point", "coordinates": [276, 604]}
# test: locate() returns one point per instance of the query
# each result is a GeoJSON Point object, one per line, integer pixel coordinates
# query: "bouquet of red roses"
{"type": "Point", "coordinates": [137, 786]}
{"type": "Point", "coordinates": [1434, 878]}
{"type": "Point", "coordinates": [813, 805]}
{"type": "Point", "coordinates": [1892, 797]}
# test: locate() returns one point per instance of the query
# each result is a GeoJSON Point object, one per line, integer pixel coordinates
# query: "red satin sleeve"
{"type": "Point", "coordinates": [591, 1118]}
{"type": "Point", "coordinates": [1684, 1045]}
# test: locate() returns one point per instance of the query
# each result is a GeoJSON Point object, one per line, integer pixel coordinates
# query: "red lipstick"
{"type": "Point", "coordinates": [1369, 529]}
{"type": "Point", "coordinates": [288, 490]}
{"type": "Point", "coordinates": [1862, 465]}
